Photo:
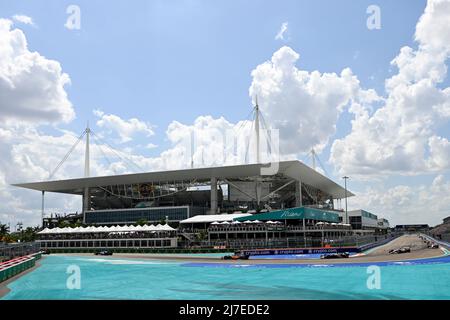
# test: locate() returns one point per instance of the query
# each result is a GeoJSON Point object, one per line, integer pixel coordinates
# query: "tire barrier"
{"type": "Point", "coordinates": [15, 266]}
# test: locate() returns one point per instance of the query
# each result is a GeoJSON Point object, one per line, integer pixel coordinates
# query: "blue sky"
{"type": "Point", "coordinates": [160, 61]}
{"type": "Point", "coordinates": [195, 57]}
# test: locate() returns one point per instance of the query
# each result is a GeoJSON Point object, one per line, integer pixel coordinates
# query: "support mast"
{"type": "Point", "coordinates": [86, 155]}
{"type": "Point", "coordinates": [42, 209]}
{"type": "Point", "coordinates": [257, 129]}
{"type": "Point", "coordinates": [86, 195]}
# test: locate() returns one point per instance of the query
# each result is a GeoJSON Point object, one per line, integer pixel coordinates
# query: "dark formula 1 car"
{"type": "Point", "coordinates": [400, 250]}
{"type": "Point", "coordinates": [433, 246]}
{"type": "Point", "coordinates": [103, 253]}
{"type": "Point", "coordinates": [236, 257]}
{"type": "Point", "coordinates": [335, 255]}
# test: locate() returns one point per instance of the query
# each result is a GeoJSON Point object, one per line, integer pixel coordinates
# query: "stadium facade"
{"type": "Point", "coordinates": [259, 205]}
{"type": "Point", "coordinates": [180, 194]}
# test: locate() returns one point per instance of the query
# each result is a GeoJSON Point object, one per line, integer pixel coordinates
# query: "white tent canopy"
{"type": "Point", "coordinates": [209, 218]}
{"type": "Point", "coordinates": [159, 227]}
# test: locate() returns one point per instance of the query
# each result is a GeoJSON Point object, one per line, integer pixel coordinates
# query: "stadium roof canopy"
{"type": "Point", "coordinates": [291, 169]}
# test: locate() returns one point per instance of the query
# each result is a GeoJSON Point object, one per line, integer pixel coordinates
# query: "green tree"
{"type": "Point", "coordinates": [63, 224]}
{"type": "Point", "coordinates": [4, 229]}
{"type": "Point", "coordinates": [10, 238]}
{"type": "Point", "coordinates": [141, 222]}
{"type": "Point", "coordinates": [28, 235]}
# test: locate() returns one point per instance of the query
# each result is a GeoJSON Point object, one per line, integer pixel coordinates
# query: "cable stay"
{"type": "Point", "coordinates": [309, 192]}
{"type": "Point", "coordinates": [315, 157]}
{"type": "Point", "coordinates": [67, 155]}
{"type": "Point", "coordinates": [100, 143]}
{"type": "Point", "coordinates": [99, 146]}
{"type": "Point", "coordinates": [116, 152]}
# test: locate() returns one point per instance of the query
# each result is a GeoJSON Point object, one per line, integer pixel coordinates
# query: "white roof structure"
{"type": "Point", "coordinates": [293, 169]}
{"type": "Point", "coordinates": [152, 228]}
{"type": "Point", "coordinates": [209, 218]}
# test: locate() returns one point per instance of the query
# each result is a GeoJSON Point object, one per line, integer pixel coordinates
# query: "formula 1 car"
{"type": "Point", "coordinates": [103, 253]}
{"type": "Point", "coordinates": [400, 250]}
{"type": "Point", "coordinates": [335, 255]}
{"type": "Point", "coordinates": [433, 245]}
{"type": "Point", "coordinates": [236, 257]}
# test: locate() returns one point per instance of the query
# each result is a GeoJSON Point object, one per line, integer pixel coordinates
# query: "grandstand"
{"type": "Point", "coordinates": [180, 194]}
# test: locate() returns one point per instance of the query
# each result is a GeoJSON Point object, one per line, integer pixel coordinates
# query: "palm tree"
{"type": "Point", "coordinates": [29, 235]}
{"type": "Point", "coordinates": [4, 229]}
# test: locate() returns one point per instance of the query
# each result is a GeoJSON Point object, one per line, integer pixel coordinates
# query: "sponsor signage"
{"type": "Point", "coordinates": [270, 252]}
{"type": "Point", "coordinates": [295, 213]}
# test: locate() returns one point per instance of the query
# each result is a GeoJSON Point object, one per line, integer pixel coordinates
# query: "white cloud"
{"type": "Point", "coordinates": [304, 106]}
{"type": "Point", "coordinates": [402, 135]}
{"type": "Point", "coordinates": [31, 86]}
{"type": "Point", "coordinates": [281, 33]}
{"type": "Point", "coordinates": [25, 156]}
{"type": "Point", "coordinates": [151, 146]}
{"type": "Point", "coordinates": [28, 155]}
{"type": "Point", "coordinates": [126, 129]}
{"type": "Point", "coordinates": [206, 134]}
{"type": "Point", "coordinates": [32, 93]}
{"type": "Point", "coordinates": [405, 204]}
{"type": "Point", "coordinates": [23, 19]}
{"type": "Point", "coordinates": [215, 142]}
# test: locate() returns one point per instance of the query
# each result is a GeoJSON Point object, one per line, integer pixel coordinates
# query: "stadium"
{"type": "Point", "coordinates": [196, 200]}
{"type": "Point", "coordinates": [237, 206]}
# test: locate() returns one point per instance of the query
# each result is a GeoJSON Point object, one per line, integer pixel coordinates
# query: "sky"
{"type": "Point", "coordinates": [367, 88]}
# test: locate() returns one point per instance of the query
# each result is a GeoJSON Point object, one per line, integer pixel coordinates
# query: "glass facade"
{"type": "Point", "coordinates": [356, 222]}
{"type": "Point", "coordinates": [120, 216]}
{"type": "Point", "coordinates": [369, 215]}
{"type": "Point", "coordinates": [96, 244]}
